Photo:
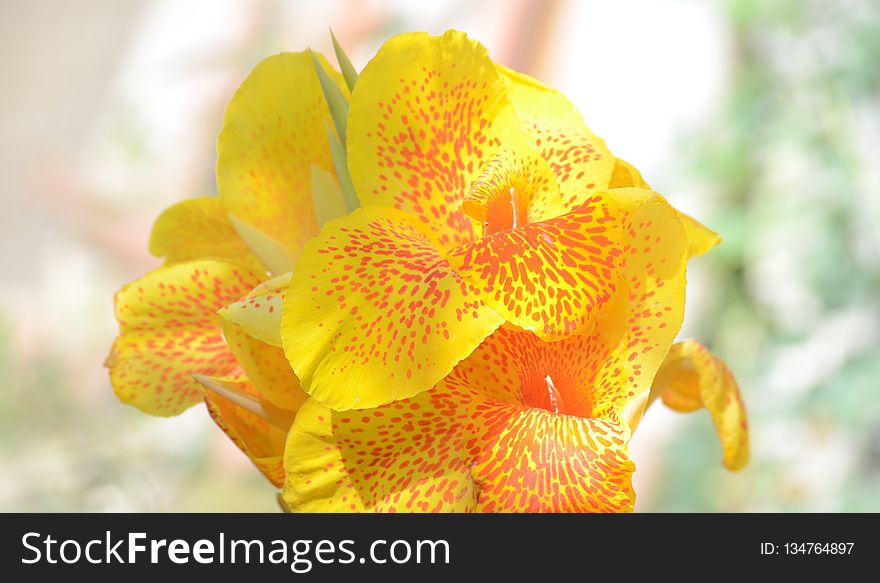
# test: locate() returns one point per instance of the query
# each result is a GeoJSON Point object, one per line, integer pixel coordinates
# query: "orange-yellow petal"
{"type": "Point", "coordinates": [259, 313]}
{"type": "Point", "coordinates": [454, 449]}
{"type": "Point", "coordinates": [256, 437]}
{"type": "Point", "coordinates": [266, 367]}
{"type": "Point", "coordinates": [374, 313]}
{"type": "Point", "coordinates": [406, 456]}
{"type": "Point", "coordinates": [699, 237]}
{"type": "Point", "coordinates": [692, 377]}
{"type": "Point", "coordinates": [273, 133]}
{"type": "Point", "coordinates": [579, 159]}
{"type": "Point", "coordinates": [426, 114]}
{"type": "Point", "coordinates": [169, 329]}
{"type": "Point", "coordinates": [551, 277]}
{"type": "Point", "coordinates": [533, 460]}
{"type": "Point", "coordinates": [198, 228]}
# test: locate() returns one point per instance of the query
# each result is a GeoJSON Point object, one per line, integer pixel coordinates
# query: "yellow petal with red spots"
{"type": "Point", "coordinates": [259, 313]}
{"type": "Point", "coordinates": [533, 460]}
{"type": "Point", "coordinates": [601, 373]}
{"type": "Point", "coordinates": [515, 187]}
{"type": "Point", "coordinates": [426, 114]}
{"type": "Point", "coordinates": [406, 456]}
{"type": "Point", "coordinates": [273, 132]}
{"type": "Point", "coordinates": [579, 159]}
{"type": "Point", "coordinates": [692, 377]}
{"type": "Point", "coordinates": [259, 439]}
{"type": "Point", "coordinates": [374, 313]}
{"type": "Point", "coordinates": [552, 277]}
{"type": "Point", "coordinates": [699, 237]}
{"type": "Point", "coordinates": [266, 366]}
{"type": "Point", "coordinates": [198, 228]}
{"type": "Point", "coordinates": [169, 329]}
{"type": "Point", "coordinates": [454, 449]}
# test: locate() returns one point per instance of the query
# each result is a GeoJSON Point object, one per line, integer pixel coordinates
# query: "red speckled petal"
{"type": "Point", "coordinates": [552, 277]}
{"type": "Point", "coordinates": [692, 377]}
{"type": "Point", "coordinates": [273, 132]}
{"type": "Point", "coordinates": [426, 114]}
{"type": "Point", "coordinates": [198, 228]}
{"type": "Point", "coordinates": [374, 313]}
{"type": "Point", "coordinates": [579, 159]}
{"type": "Point", "coordinates": [454, 449]}
{"type": "Point", "coordinates": [406, 456]}
{"type": "Point", "coordinates": [266, 367]}
{"type": "Point", "coordinates": [261, 441]}
{"type": "Point", "coordinates": [169, 330]}
{"type": "Point", "coordinates": [532, 460]}
{"type": "Point", "coordinates": [601, 373]}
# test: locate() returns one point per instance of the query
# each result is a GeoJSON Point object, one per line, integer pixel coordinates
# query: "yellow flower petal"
{"type": "Point", "coordinates": [403, 457]}
{"type": "Point", "coordinates": [169, 330]}
{"type": "Point", "coordinates": [454, 449]}
{"type": "Point", "coordinates": [198, 228]}
{"type": "Point", "coordinates": [259, 312]}
{"type": "Point", "coordinates": [699, 237]}
{"type": "Point", "coordinates": [426, 115]}
{"type": "Point", "coordinates": [557, 277]}
{"type": "Point", "coordinates": [374, 313]}
{"type": "Point", "coordinates": [551, 277]}
{"type": "Point", "coordinates": [267, 368]}
{"type": "Point", "coordinates": [536, 461]}
{"type": "Point", "coordinates": [579, 159]}
{"type": "Point", "coordinates": [273, 132]}
{"type": "Point", "coordinates": [259, 439]}
{"type": "Point", "coordinates": [692, 377]}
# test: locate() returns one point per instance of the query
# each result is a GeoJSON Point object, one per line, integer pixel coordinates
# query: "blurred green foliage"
{"type": "Point", "coordinates": [792, 165]}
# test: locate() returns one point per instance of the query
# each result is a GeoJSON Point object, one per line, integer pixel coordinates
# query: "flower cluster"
{"type": "Point", "coordinates": [425, 287]}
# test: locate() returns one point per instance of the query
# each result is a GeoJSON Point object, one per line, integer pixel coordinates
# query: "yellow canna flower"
{"type": "Point", "coordinates": [482, 332]}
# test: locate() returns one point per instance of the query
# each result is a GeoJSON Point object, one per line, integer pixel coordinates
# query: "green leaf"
{"type": "Point", "coordinates": [327, 198]}
{"type": "Point", "coordinates": [337, 151]}
{"type": "Point", "coordinates": [348, 70]}
{"type": "Point", "coordinates": [270, 252]}
{"type": "Point", "coordinates": [335, 99]}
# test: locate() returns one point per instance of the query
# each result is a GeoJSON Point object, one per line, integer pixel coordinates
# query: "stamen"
{"type": "Point", "coordinates": [514, 204]}
{"type": "Point", "coordinates": [556, 403]}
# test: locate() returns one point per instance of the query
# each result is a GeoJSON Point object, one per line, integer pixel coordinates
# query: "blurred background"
{"type": "Point", "coordinates": [760, 118]}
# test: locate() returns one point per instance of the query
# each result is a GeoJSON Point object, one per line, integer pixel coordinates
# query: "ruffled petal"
{"type": "Point", "coordinates": [169, 330]}
{"type": "Point", "coordinates": [374, 313]}
{"type": "Point", "coordinates": [406, 456]}
{"type": "Point", "coordinates": [700, 238]}
{"type": "Point", "coordinates": [273, 133]}
{"type": "Point", "coordinates": [426, 114]}
{"type": "Point", "coordinates": [532, 460]}
{"type": "Point", "coordinates": [551, 277]}
{"type": "Point", "coordinates": [691, 378]}
{"type": "Point", "coordinates": [198, 228]}
{"type": "Point", "coordinates": [579, 159]}
{"type": "Point", "coordinates": [455, 448]}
